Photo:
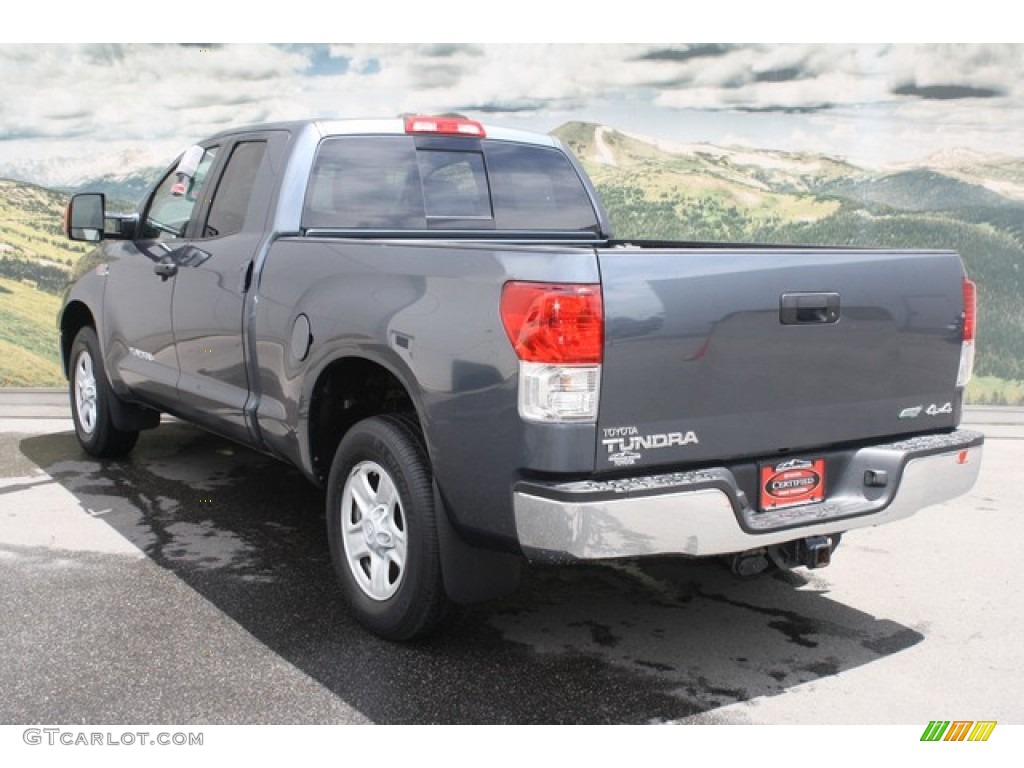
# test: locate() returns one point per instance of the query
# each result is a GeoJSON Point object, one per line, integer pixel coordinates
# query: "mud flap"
{"type": "Point", "coordinates": [472, 574]}
{"type": "Point", "coordinates": [132, 418]}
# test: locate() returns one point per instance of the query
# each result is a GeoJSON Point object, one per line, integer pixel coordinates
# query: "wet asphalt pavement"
{"type": "Point", "coordinates": [191, 583]}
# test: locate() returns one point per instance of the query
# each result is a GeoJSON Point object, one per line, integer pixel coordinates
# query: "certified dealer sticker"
{"type": "Point", "coordinates": [792, 482]}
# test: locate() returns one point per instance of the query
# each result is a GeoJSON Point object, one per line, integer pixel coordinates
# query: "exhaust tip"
{"type": "Point", "coordinates": [748, 564]}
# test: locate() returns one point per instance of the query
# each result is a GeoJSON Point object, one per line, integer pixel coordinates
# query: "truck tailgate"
{"type": "Point", "coordinates": [718, 354]}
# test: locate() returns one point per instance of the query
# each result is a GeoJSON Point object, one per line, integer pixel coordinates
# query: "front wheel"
{"type": "Point", "coordinates": [92, 400]}
{"type": "Point", "coordinates": [382, 528]}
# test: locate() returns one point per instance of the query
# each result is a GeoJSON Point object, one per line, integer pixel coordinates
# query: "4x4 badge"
{"type": "Point", "coordinates": [931, 410]}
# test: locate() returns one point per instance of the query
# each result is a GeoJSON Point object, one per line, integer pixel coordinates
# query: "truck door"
{"type": "Point", "coordinates": [213, 280]}
{"type": "Point", "coordinates": [140, 341]}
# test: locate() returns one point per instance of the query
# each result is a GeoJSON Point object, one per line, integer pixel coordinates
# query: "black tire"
{"type": "Point", "coordinates": [92, 400]}
{"type": "Point", "coordinates": [382, 529]}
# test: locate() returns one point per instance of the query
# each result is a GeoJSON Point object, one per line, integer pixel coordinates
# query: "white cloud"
{"type": "Point", "coordinates": [117, 92]}
{"type": "Point", "coordinates": [101, 98]}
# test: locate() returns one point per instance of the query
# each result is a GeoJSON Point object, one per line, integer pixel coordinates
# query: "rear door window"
{"type": "Point", "coordinates": [231, 200]}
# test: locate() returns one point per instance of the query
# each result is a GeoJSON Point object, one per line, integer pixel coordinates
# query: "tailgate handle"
{"type": "Point", "coordinates": [809, 308]}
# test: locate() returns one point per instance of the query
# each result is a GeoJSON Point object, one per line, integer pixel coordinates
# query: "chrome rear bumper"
{"type": "Point", "coordinates": [706, 513]}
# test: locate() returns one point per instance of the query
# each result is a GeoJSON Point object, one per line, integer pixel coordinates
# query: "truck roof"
{"type": "Point", "coordinates": [388, 125]}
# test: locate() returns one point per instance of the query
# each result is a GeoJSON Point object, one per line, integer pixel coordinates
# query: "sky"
{"type": "Point", "coordinates": [67, 109]}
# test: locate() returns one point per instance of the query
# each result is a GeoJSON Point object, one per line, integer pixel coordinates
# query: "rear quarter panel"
{"type": "Point", "coordinates": [429, 312]}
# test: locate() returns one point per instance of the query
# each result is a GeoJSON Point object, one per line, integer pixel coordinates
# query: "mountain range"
{"type": "Point", "coordinates": [125, 174]}
{"type": "Point", "coordinates": [959, 199]}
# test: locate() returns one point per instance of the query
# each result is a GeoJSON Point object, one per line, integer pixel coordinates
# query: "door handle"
{"type": "Point", "coordinates": [809, 308]}
{"type": "Point", "coordinates": [166, 269]}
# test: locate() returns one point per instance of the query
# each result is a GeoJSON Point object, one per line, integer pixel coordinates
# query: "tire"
{"type": "Point", "coordinates": [382, 529]}
{"type": "Point", "coordinates": [92, 400]}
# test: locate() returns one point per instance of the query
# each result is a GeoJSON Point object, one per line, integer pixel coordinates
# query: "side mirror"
{"type": "Point", "coordinates": [86, 218]}
{"type": "Point", "coordinates": [83, 219]}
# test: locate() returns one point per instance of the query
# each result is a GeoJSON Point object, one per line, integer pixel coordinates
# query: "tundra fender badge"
{"type": "Point", "coordinates": [141, 354]}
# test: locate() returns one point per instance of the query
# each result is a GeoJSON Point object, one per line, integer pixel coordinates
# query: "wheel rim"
{"type": "Point", "coordinates": [85, 392]}
{"type": "Point", "coordinates": [374, 530]}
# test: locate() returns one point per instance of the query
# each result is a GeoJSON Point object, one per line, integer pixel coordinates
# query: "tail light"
{"type": "Point", "coordinates": [969, 323]}
{"type": "Point", "coordinates": [451, 126]}
{"type": "Point", "coordinates": [557, 332]}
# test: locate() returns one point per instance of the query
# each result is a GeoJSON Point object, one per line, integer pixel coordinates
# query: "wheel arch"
{"type": "Point", "coordinates": [126, 415]}
{"type": "Point", "coordinates": [75, 316]}
{"type": "Point", "coordinates": [337, 402]}
{"type": "Point", "coordinates": [345, 391]}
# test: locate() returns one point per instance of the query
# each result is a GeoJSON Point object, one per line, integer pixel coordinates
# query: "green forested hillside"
{"type": "Point", "coordinates": [35, 260]}
{"type": "Point", "coordinates": [994, 259]}
{"type": "Point", "coordinates": [652, 191]}
{"type": "Point", "coordinates": [916, 190]}
{"type": "Point", "coordinates": [28, 336]}
{"type": "Point", "coordinates": [702, 193]}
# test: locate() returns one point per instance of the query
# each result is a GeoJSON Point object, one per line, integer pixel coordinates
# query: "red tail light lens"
{"type": "Point", "coordinates": [554, 323]}
{"type": "Point", "coordinates": [966, 369]}
{"type": "Point", "coordinates": [970, 309]}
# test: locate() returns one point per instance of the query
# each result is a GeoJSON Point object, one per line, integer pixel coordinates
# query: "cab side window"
{"type": "Point", "coordinates": [231, 199]}
{"type": "Point", "coordinates": [171, 206]}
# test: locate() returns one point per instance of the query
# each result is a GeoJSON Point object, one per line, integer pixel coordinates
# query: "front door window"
{"type": "Point", "coordinates": [171, 206]}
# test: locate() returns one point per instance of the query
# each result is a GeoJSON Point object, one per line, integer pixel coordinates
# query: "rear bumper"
{"type": "Point", "coordinates": [706, 513]}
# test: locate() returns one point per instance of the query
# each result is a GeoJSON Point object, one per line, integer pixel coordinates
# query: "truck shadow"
{"type": "Point", "coordinates": [628, 642]}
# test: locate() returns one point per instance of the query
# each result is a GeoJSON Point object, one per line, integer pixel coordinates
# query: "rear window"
{"type": "Point", "coordinates": [386, 182]}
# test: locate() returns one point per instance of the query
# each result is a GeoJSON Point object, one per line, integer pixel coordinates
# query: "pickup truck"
{"type": "Point", "coordinates": [431, 319]}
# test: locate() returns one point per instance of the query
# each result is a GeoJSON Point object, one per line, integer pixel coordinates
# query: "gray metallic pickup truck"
{"type": "Point", "coordinates": [432, 320]}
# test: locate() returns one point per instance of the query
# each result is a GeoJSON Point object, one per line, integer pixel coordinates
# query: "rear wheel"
{"type": "Point", "coordinates": [382, 528]}
{"type": "Point", "coordinates": [92, 401]}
